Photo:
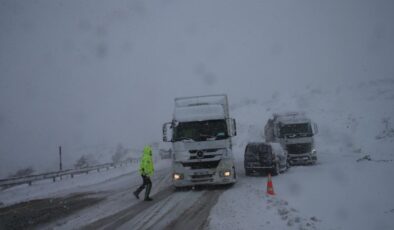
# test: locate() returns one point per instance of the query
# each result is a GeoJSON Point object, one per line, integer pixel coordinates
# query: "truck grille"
{"type": "Point", "coordinates": [203, 154]}
{"type": "Point", "coordinates": [204, 150]}
{"type": "Point", "coordinates": [203, 157]}
{"type": "Point", "coordinates": [201, 176]}
{"type": "Point", "coordinates": [201, 165]}
{"type": "Point", "coordinates": [299, 148]}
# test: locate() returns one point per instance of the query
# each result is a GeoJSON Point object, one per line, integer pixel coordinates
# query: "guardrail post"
{"type": "Point", "coordinates": [29, 183]}
{"type": "Point", "coordinates": [54, 179]}
{"type": "Point", "coordinates": [60, 159]}
{"type": "Point", "coordinates": [72, 175]}
{"type": "Point", "coordinates": [98, 170]}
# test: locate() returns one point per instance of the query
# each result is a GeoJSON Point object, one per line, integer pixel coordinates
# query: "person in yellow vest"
{"type": "Point", "coordinates": [146, 171]}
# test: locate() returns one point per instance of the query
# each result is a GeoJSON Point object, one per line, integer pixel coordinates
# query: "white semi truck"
{"type": "Point", "coordinates": [295, 132]}
{"type": "Point", "coordinates": [200, 133]}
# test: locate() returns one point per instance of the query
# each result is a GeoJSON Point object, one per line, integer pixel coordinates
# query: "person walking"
{"type": "Point", "coordinates": [146, 171]}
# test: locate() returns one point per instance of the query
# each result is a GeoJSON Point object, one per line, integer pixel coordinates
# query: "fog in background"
{"type": "Point", "coordinates": [98, 73]}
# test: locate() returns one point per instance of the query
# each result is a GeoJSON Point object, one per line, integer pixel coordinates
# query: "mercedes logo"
{"type": "Point", "coordinates": [200, 154]}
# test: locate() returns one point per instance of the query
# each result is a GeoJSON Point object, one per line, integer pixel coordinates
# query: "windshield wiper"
{"type": "Point", "coordinates": [184, 139]}
{"type": "Point", "coordinates": [206, 137]}
{"type": "Point", "coordinates": [293, 135]}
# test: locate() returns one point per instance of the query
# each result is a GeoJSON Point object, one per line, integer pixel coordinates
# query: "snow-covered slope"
{"type": "Point", "coordinates": [357, 118]}
{"type": "Point", "coordinates": [341, 191]}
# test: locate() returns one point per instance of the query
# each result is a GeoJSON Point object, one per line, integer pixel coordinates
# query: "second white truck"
{"type": "Point", "coordinates": [295, 132]}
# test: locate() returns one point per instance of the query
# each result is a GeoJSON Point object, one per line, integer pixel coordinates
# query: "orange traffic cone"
{"type": "Point", "coordinates": [270, 187]}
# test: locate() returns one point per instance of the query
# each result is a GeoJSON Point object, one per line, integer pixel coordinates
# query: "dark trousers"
{"type": "Point", "coordinates": [146, 183]}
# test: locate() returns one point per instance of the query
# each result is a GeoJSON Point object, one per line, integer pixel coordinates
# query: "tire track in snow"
{"type": "Point", "coordinates": [197, 215]}
{"type": "Point", "coordinates": [117, 219]}
{"type": "Point", "coordinates": [124, 215]}
{"type": "Point", "coordinates": [168, 210]}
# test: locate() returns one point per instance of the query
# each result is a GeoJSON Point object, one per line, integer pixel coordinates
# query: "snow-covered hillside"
{"type": "Point", "coordinates": [357, 118]}
{"type": "Point", "coordinates": [345, 190]}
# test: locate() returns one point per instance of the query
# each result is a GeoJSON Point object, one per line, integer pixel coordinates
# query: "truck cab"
{"type": "Point", "coordinates": [200, 133]}
{"type": "Point", "coordinates": [295, 132]}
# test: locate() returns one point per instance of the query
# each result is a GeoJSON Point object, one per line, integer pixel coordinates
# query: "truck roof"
{"type": "Point", "coordinates": [291, 118]}
{"type": "Point", "coordinates": [199, 108]}
{"type": "Point", "coordinates": [204, 99]}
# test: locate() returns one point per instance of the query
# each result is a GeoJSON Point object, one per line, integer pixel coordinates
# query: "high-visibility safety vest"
{"type": "Point", "coordinates": [146, 165]}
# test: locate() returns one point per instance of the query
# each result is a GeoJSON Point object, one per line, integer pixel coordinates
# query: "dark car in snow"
{"type": "Point", "coordinates": [264, 157]}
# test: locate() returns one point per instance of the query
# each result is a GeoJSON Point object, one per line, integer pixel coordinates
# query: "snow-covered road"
{"type": "Point", "coordinates": [110, 203]}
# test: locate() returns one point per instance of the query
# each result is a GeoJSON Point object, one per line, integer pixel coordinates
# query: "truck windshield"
{"type": "Point", "coordinates": [201, 130]}
{"type": "Point", "coordinates": [296, 130]}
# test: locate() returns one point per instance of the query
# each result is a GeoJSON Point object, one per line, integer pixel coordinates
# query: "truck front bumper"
{"type": "Point", "coordinates": [203, 177]}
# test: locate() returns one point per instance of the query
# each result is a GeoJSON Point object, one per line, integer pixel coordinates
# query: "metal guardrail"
{"type": "Point", "coordinates": [9, 182]}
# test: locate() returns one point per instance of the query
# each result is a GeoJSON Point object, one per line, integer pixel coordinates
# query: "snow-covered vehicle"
{"type": "Point", "coordinates": [265, 158]}
{"type": "Point", "coordinates": [201, 132]}
{"type": "Point", "coordinates": [295, 132]}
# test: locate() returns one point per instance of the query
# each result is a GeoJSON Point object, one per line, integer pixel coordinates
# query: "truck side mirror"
{"type": "Point", "coordinates": [232, 127]}
{"type": "Point", "coordinates": [315, 129]}
{"type": "Point", "coordinates": [167, 132]}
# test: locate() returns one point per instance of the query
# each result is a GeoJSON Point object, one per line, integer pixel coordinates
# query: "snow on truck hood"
{"type": "Point", "coordinates": [199, 113]}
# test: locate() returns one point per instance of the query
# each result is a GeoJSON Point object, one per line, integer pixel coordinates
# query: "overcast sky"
{"type": "Point", "coordinates": [97, 72]}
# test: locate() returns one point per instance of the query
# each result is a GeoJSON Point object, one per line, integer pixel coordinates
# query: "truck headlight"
{"type": "Point", "coordinates": [226, 173]}
{"type": "Point", "coordinates": [177, 176]}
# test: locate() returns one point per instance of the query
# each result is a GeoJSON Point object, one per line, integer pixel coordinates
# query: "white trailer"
{"type": "Point", "coordinates": [295, 132]}
{"type": "Point", "coordinates": [200, 133]}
